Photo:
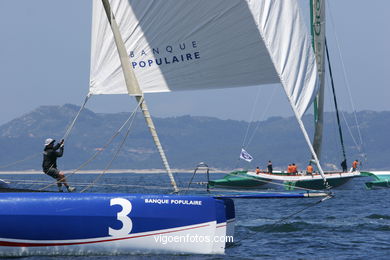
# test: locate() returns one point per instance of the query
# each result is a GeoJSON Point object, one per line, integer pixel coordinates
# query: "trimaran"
{"type": "Point", "coordinates": [165, 46]}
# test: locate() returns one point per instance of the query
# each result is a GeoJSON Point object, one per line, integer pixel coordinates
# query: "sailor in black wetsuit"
{"type": "Point", "coordinates": [49, 164]}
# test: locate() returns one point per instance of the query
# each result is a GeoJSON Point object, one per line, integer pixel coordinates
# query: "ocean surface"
{"type": "Point", "coordinates": [355, 224]}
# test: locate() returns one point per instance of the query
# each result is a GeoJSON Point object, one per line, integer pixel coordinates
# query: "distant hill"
{"type": "Point", "coordinates": [188, 140]}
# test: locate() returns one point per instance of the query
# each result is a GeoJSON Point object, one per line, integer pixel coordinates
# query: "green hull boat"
{"type": "Point", "coordinates": [247, 179]}
{"type": "Point", "coordinates": [237, 179]}
{"type": "Point", "coordinates": [382, 179]}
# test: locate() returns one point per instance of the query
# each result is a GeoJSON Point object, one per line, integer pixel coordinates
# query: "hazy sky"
{"type": "Point", "coordinates": [45, 55]}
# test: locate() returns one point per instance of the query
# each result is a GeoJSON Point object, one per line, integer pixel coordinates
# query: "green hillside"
{"type": "Point", "coordinates": [188, 140]}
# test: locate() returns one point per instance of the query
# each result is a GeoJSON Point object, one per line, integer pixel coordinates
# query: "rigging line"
{"type": "Point", "coordinates": [251, 117]}
{"type": "Point", "coordinates": [243, 145]}
{"type": "Point", "coordinates": [305, 208]}
{"type": "Point", "coordinates": [75, 118]}
{"type": "Point", "coordinates": [359, 148]}
{"type": "Point", "coordinates": [346, 81]}
{"type": "Point", "coordinates": [333, 123]}
{"type": "Point", "coordinates": [114, 157]}
{"type": "Point", "coordinates": [335, 101]}
{"type": "Point", "coordinates": [151, 187]}
{"type": "Point", "coordinates": [99, 151]}
{"type": "Point", "coordinates": [289, 216]}
{"type": "Point", "coordinates": [263, 115]}
{"type": "Point", "coordinates": [163, 187]}
{"type": "Point", "coordinates": [20, 161]}
{"type": "Point", "coordinates": [70, 127]}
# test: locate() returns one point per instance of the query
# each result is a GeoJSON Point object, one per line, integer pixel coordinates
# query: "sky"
{"type": "Point", "coordinates": [45, 56]}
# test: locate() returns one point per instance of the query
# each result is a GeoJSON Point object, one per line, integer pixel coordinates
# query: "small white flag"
{"type": "Point", "coordinates": [245, 156]}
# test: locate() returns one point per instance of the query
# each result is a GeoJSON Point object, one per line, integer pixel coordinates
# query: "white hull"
{"type": "Point", "coordinates": [303, 176]}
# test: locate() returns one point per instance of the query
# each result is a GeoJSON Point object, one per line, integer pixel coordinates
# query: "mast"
{"type": "Point", "coordinates": [134, 89]}
{"type": "Point", "coordinates": [317, 17]}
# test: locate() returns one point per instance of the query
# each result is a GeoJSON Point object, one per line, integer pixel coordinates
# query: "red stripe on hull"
{"type": "Point", "coordinates": [18, 244]}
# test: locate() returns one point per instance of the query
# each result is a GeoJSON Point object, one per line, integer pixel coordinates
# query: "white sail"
{"type": "Point", "coordinates": [195, 44]}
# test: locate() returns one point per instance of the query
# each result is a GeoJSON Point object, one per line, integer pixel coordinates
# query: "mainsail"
{"type": "Point", "coordinates": [186, 45]}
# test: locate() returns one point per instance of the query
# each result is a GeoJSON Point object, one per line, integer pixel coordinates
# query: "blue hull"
{"type": "Point", "coordinates": [78, 224]}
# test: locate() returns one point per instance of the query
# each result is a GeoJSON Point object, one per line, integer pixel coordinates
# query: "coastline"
{"type": "Point", "coordinates": [114, 171]}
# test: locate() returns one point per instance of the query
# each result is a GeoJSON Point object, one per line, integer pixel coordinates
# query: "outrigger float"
{"type": "Point", "coordinates": [382, 179]}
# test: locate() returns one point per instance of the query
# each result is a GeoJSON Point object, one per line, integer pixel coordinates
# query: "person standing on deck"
{"type": "Point", "coordinates": [49, 164]}
{"type": "Point", "coordinates": [344, 165]}
{"type": "Point", "coordinates": [294, 168]}
{"type": "Point", "coordinates": [309, 169]}
{"type": "Point", "coordinates": [269, 167]}
{"type": "Point", "coordinates": [355, 165]}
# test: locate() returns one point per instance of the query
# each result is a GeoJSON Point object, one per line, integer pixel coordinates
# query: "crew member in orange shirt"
{"type": "Point", "coordinates": [355, 165]}
{"type": "Point", "coordinates": [294, 168]}
{"type": "Point", "coordinates": [257, 170]}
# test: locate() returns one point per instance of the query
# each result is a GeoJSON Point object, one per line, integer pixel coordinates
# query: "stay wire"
{"type": "Point", "coordinates": [333, 125]}
{"type": "Point", "coordinates": [20, 161]}
{"type": "Point", "coordinates": [361, 147]}
{"type": "Point", "coordinates": [289, 216]}
{"type": "Point", "coordinates": [70, 127]}
{"type": "Point", "coordinates": [115, 155]}
{"type": "Point", "coordinates": [151, 187]}
{"type": "Point", "coordinates": [243, 145]}
{"type": "Point", "coordinates": [262, 116]}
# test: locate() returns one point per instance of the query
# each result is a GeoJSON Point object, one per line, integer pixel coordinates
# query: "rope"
{"type": "Point", "coordinates": [151, 187]}
{"type": "Point", "coordinates": [70, 127]}
{"type": "Point", "coordinates": [289, 216]}
{"type": "Point", "coordinates": [115, 155]}
{"type": "Point", "coordinates": [244, 144]}
{"type": "Point", "coordinates": [20, 161]}
{"type": "Point", "coordinates": [263, 115]}
{"type": "Point", "coordinates": [361, 148]}
{"type": "Point", "coordinates": [358, 146]}
{"type": "Point", "coordinates": [335, 102]}
{"type": "Point", "coordinates": [251, 118]}
{"type": "Point", "coordinates": [97, 152]}
{"type": "Point", "coordinates": [305, 208]}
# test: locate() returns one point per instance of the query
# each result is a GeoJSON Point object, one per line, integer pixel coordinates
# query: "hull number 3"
{"type": "Point", "coordinates": [122, 216]}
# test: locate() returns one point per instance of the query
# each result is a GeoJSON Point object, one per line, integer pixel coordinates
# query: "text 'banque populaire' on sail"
{"type": "Point", "coordinates": [187, 54]}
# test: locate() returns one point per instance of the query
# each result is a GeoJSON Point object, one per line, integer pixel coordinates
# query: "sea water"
{"type": "Point", "coordinates": [355, 224]}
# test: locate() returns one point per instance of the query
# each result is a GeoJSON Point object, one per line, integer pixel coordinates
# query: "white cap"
{"type": "Point", "coordinates": [48, 141]}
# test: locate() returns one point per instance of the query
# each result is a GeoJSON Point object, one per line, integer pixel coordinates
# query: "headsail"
{"type": "Point", "coordinates": [185, 45]}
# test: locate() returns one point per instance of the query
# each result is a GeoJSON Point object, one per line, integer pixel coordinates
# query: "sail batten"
{"type": "Point", "coordinates": [194, 45]}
